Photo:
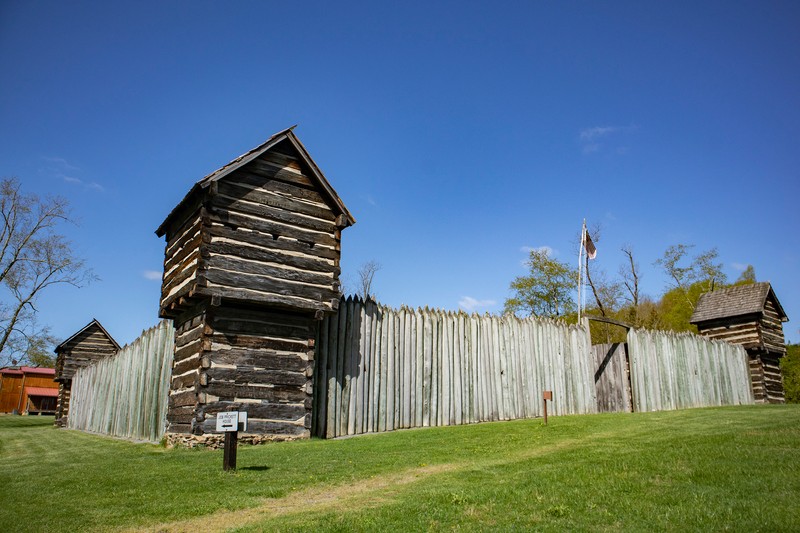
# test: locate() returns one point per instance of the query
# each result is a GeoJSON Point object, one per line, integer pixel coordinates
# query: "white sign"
{"type": "Point", "coordinates": [229, 420]}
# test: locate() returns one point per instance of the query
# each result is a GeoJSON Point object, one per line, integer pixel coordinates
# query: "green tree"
{"type": "Point", "coordinates": [790, 368]}
{"type": "Point", "coordinates": [701, 275]}
{"type": "Point", "coordinates": [547, 291]}
{"type": "Point", "coordinates": [748, 275]}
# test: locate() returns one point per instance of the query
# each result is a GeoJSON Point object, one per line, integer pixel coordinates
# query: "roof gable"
{"type": "Point", "coordinates": [90, 325]}
{"type": "Point", "coordinates": [736, 301]}
{"type": "Point", "coordinates": [285, 135]}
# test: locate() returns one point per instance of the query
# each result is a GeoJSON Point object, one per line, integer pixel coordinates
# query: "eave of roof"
{"type": "Point", "coordinates": [249, 156]}
{"type": "Point", "coordinates": [38, 370]}
{"type": "Point", "coordinates": [51, 392]}
{"type": "Point", "coordinates": [737, 301]}
{"type": "Point", "coordinates": [94, 321]}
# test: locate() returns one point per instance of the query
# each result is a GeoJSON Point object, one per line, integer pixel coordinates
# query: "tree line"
{"type": "Point", "coordinates": [550, 287]}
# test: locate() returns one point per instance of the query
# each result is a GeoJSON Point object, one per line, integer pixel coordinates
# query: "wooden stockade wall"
{"type": "Point", "coordinates": [379, 369]}
{"type": "Point", "coordinates": [676, 371]}
{"type": "Point", "coordinates": [126, 394]}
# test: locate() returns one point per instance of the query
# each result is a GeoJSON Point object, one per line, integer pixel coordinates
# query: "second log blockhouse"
{"type": "Point", "coordinates": [251, 264]}
{"type": "Point", "coordinates": [90, 344]}
{"type": "Point", "coordinates": [752, 316]}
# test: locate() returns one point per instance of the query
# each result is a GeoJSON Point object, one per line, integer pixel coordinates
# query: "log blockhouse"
{"type": "Point", "coordinates": [91, 343]}
{"type": "Point", "coordinates": [251, 264]}
{"type": "Point", "coordinates": [752, 316]}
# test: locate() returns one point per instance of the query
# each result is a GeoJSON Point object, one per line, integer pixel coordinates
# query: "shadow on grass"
{"type": "Point", "coordinates": [255, 468]}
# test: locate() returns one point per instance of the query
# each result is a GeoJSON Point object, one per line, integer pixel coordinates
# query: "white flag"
{"type": "Point", "coordinates": [591, 250]}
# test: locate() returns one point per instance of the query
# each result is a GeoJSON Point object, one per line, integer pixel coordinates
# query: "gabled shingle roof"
{"type": "Point", "coordinates": [94, 322]}
{"type": "Point", "coordinates": [285, 135]}
{"type": "Point", "coordinates": [735, 301]}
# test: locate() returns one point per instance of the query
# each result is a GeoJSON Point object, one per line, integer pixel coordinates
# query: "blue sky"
{"type": "Point", "coordinates": [458, 134]}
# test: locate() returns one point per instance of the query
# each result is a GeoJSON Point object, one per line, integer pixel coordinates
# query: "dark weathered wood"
{"type": "Point", "coordinates": [262, 196]}
{"type": "Point", "coordinates": [266, 240]}
{"type": "Point", "coordinates": [242, 376]}
{"type": "Point", "coordinates": [266, 359]}
{"type": "Point", "coordinates": [273, 228]}
{"type": "Point", "coordinates": [252, 256]}
{"type": "Point", "coordinates": [280, 393]}
{"type": "Point", "coordinates": [229, 204]}
{"type": "Point", "coordinates": [248, 260]}
{"type": "Point", "coordinates": [229, 450]}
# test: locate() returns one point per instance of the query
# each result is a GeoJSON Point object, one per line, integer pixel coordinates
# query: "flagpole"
{"type": "Point", "coordinates": [580, 270]}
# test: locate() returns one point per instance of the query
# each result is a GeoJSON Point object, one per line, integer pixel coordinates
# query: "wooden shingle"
{"type": "Point", "coordinates": [735, 301]}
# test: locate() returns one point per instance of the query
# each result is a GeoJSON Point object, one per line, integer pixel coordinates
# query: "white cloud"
{"type": "Point", "coordinates": [60, 162]}
{"type": "Point", "coordinates": [546, 249]}
{"type": "Point", "coordinates": [370, 200]}
{"type": "Point", "coordinates": [153, 275]}
{"type": "Point", "coordinates": [470, 304]}
{"type": "Point", "coordinates": [590, 138]}
{"type": "Point", "coordinates": [590, 134]}
{"type": "Point", "coordinates": [741, 267]}
{"type": "Point", "coordinates": [63, 169]}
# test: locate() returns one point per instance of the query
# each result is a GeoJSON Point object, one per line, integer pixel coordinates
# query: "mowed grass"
{"type": "Point", "coordinates": [701, 469]}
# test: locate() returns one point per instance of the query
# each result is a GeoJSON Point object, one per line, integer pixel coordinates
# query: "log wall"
{"type": "Point", "coordinates": [762, 336]}
{"type": "Point", "coordinates": [771, 329]}
{"type": "Point", "coordinates": [244, 358]}
{"type": "Point", "coordinates": [261, 234]}
{"type": "Point", "coordinates": [251, 264]}
{"type": "Point", "coordinates": [677, 371]}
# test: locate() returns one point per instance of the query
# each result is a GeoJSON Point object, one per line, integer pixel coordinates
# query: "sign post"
{"type": "Point", "coordinates": [548, 395]}
{"type": "Point", "coordinates": [231, 422]}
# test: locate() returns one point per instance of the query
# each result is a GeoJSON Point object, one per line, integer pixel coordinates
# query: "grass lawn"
{"type": "Point", "coordinates": [702, 469]}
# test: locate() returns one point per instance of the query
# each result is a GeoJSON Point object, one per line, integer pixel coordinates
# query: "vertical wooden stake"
{"type": "Point", "coordinates": [229, 450]}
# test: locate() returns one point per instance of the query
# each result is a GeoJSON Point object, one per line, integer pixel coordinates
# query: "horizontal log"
{"type": "Point", "coordinates": [232, 391]}
{"type": "Point", "coordinates": [185, 381]}
{"type": "Point", "coordinates": [275, 171]}
{"type": "Point", "coordinates": [181, 415]}
{"type": "Point", "coordinates": [183, 429]}
{"type": "Point", "coordinates": [261, 427]}
{"type": "Point", "coordinates": [184, 233]}
{"type": "Point", "coordinates": [263, 410]}
{"type": "Point", "coordinates": [267, 359]}
{"type": "Point", "coordinates": [229, 204]}
{"type": "Point", "coordinates": [261, 377]}
{"type": "Point", "coordinates": [302, 323]}
{"type": "Point", "coordinates": [266, 240]}
{"type": "Point", "coordinates": [322, 271]}
{"type": "Point", "coordinates": [252, 341]}
{"type": "Point", "coordinates": [255, 194]}
{"type": "Point", "coordinates": [252, 297]}
{"type": "Point", "coordinates": [180, 399]}
{"type": "Point", "coordinates": [263, 284]}
{"type": "Point", "coordinates": [185, 352]}
{"type": "Point", "coordinates": [234, 265]}
{"type": "Point", "coordinates": [186, 365]}
{"type": "Point", "coordinates": [278, 187]}
{"type": "Point", "coordinates": [275, 229]}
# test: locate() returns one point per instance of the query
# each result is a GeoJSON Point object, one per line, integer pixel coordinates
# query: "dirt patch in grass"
{"type": "Point", "coordinates": [361, 494]}
{"type": "Point", "coordinates": [358, 495]}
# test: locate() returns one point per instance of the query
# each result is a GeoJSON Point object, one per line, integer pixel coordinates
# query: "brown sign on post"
{"type": "Point", "coordinates": [548, 395]}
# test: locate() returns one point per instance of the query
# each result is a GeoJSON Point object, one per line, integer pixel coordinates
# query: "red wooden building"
{"type": "Point", "coordinates": [28, 390]}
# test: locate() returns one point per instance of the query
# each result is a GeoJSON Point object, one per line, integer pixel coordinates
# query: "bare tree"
{"type": "Point", "coordinates": [33, 257]}
{"type": "Point", "coordinates": [630, 275]}
{"type": "Point", "coordinates": [366, 275]}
